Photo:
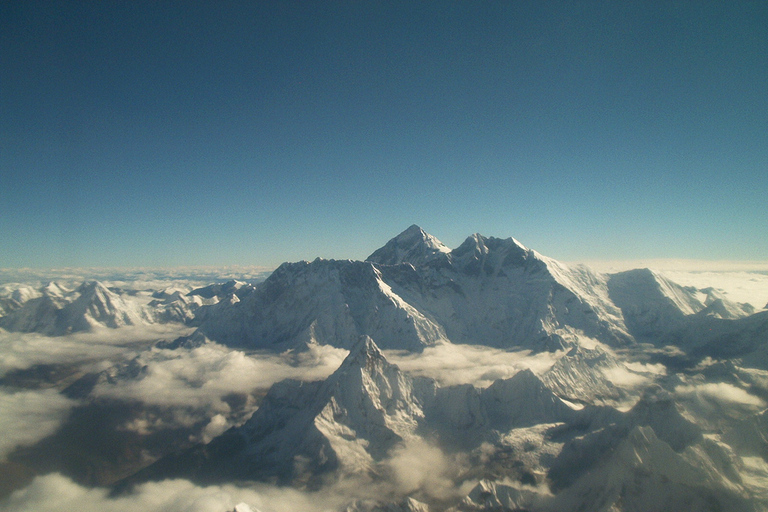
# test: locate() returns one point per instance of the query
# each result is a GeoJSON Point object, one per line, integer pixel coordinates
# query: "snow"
{"type": "Point", "coordinates": [505, 379]}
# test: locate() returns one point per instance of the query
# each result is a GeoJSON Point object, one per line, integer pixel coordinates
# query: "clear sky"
{"type": "Point", "coordinates": [210, 133]}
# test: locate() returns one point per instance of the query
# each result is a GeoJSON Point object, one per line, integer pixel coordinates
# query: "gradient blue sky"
{"type": "Point", "coordinates": [190, 133]}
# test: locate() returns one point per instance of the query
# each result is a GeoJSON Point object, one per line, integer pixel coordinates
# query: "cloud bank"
{"type": "Point", "coordinates": [26, 417]}
{"type": "Point", "coordinates": [470, 364]}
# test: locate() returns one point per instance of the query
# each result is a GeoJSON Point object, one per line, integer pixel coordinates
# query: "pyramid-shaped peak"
{"type": "Point", "coordinates": [93, 289]}
{"type": "Point", "coordinates": [414, 246]}
{"type": "Point", "coordinates": [363, 351]}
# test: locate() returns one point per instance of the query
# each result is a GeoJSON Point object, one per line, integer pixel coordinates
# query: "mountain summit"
{"type": "Point", "coordinates": [414, 292]}
{"type": "Point", "coordinates": [413, 246]}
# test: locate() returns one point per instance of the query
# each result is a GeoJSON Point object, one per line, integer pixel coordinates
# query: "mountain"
{"type": "Point", "coordinates": [176, 306]}
{"type": "Point", "coordinates": [413, 293]}
{"type": "Point", "coordinates": [528, 448]}
{"type": "Point", "coordinates": [413, 246]}
{"type": "Point", "coordinates": [56, 313]}
{"type": "Point", "coordinates": [325, 301]}
{"type": "Point", "coordinates": [580, 376]}
{"type": "Point", "coordinates": [222, 290]}
{"type": "Point", "coordinates": [653, 306]}
{"type": "Point", "coordinates": [405, 505]}
{"type": "Point", "coordinates": [488, 495]}
{"type": "Point", "coordinates": [643, 473]}
{"type": "Point", "coordinates": [305, 432]}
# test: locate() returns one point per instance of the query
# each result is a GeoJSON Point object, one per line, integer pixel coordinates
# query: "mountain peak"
{"type": "Point", "coordinates": [363, 353]}
{"type": "Point", "coordinates": [414, 246]}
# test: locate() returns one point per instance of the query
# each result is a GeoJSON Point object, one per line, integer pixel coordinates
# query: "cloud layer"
{"type": "Point", "coordinates": [470, 364]}
{"type": "Point", "coordinates": [29, 416]}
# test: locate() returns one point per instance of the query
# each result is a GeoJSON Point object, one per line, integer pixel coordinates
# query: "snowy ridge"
{"type": "Point", "coordinates": [57, 312]}
{"type": "Point", "coordinates": [413, 246]}
{"type": "Point", "coordinates": [413, 293]}
{"type": "Point", "coordinates": [537, 452]}
{"type": "Point", "coordinates": [350, 422]}
{"type": "Point", "coordinates": [579, 376]}
{"type": "Point", "coordinates": [325, 301]}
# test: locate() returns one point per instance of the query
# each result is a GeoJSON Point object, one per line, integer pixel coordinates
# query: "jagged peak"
{"type": "Point", "coordinates": [53, 289]}
{"type": "Point", "coordinates": [92, 287]}
{"type": "Point", "coordinates": [414, 246]}
{"type": "Point", "coordinates": [363, 351]}
{"type": "Point", "coordinates": [489, 254]}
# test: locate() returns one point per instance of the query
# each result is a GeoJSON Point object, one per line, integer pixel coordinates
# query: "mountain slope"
{"type": "Point", "coordinates": [325, 301]}
{"type": "Point", "coordinates": [413, 246]}
{"type": "Point", "coordinates": [413, 292]}
{"type": "Point", "coordinates": [304, 432]}
{"type": "Point", "coordinates": [90, 305]}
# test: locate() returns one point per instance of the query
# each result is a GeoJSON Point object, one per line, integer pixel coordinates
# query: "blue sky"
{"type": "Point", "coordinates": [214, 133]}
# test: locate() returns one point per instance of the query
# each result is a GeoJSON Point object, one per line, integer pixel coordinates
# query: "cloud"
{"type": "Point", "coordinates": [720, 392]}
{"type": "Point", "coordinates": [681, 265]}
{"type": "Point", "coordinates": [738, 286]}
{"type": "Point", "coordinates": [451, 364]}
{"type": "Point", "coordinates": [742, 281]}
{"type": "Point", "coordinates": [22, 350]}
{"type": "Point", "coordinates": [417, 466]}
{"type": "Point", "coordinates": [414, 468]}
{"type": "Point", "coordinates": [202, 376]}
{"type": "Point", "coordinates": [29, 416]}
{"type": "Point", "coordinates": [137, 278]}
{"type": "Point", "coordinates": [56, 493]}
{"type": "Point", "coordinates": [631, 375]}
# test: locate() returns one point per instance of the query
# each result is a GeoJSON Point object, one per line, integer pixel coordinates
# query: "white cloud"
{"type": "Point", "coordinates": [56, 493]}
{"type": "Point", "coordinates": [451, 364]}
{"type": "Point", "coordinates": [29, 416]}
{"type": "Point", "coordinates": [22, 350]}
{"type": "Point", "coordinates": [418, 466]}
{"type": "Point", "coordinates": [739, 286]}
{"type": "Point", "coordinates": [201, 377]}
{"type": "Point", "coordinates": [682, 265]}
{"type": "Point", "coordinates": [742, 281]}
{"type": "Point", "coordinates": [720, 392]}
{"type": "Point", "coordinates": [631, 375]}
{"type": "Point", "coordinates": [137, 278]}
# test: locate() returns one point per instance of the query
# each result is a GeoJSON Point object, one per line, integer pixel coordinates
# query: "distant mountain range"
{"type": "Point", "coordinates": [414, 292]}
{"type": "Point", "coordinates": [411, 293]}
{"type": "Point", "coordinates": [653, 399]}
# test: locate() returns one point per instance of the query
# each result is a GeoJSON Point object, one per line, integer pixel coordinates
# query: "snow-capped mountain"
{"type": "Point", "coordinates": [413, 292]}
{"type": "Point", "coordinates": [304, 432]}
{"type": "Point", "coordinates": [547, 454]}
{"type": "Point", "coordinates": [580, 376]}
{"type": "Point", "coordinates": [325, 301]}
{"type": "Point", "coordinates": [623, 391]}
{"type": "Point", "coordinates": [652, 305]}
{"type": "Point", "coordinates": [413, 246]}
{"type": "Point", "coordinates": [222, 290]}
{"type": "Point", "coordinates": [58, 312]}
{"type": "Point", "coordinates": [349, 423]}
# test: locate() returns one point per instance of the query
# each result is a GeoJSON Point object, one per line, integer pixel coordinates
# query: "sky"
{"type": "Point", "coordinates": [222, 133]}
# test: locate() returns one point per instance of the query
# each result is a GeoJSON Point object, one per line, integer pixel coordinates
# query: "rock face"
{"type": "Point", "coordinates": [325, 301]}
{"type": "Point", "coordinates": [304, 431]}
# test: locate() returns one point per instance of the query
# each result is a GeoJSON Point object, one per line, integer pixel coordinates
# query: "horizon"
{"type": "Point", "coordinates": [210, 134]}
